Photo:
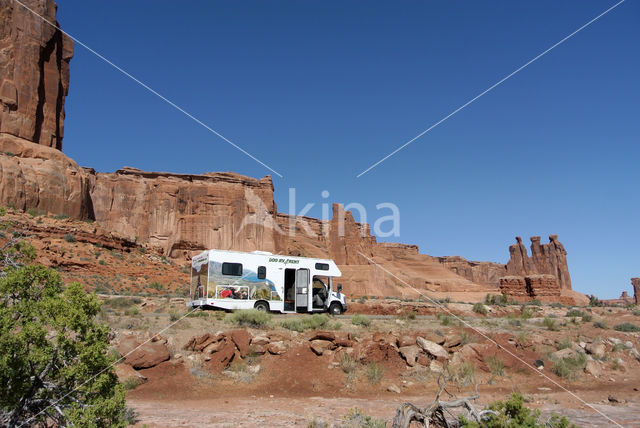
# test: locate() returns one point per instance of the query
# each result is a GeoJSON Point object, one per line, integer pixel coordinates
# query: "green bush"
{"type": "Point", "coordinates": [313, 322]}
{"type": "Point", "coordinates": [250, 318]}
{"type": "Point", "coordinates": [567, 367]}
{"type": "Point", "coordinates": [174, 315]}
{"type": "Point", "coordinates": [3, 212]}
{"type": "Point", "coordinates": [463, 374]}
{"type": "Point", "coordinates": [494, 299]}
{"type": "Point", "coordinates": [54, 352]}
{"type": "Point", "coordinates": [479, 308]}
{"type": "Point", "coordinates": [69, 237]}
{"type": "Point", "coordinates": [576, 313]}
{"type": "Point", "coordinates": [550, 324]}
{"type": "Point", "coordinates": [600, 324]}
{"type": "Point", "coordinates": [513, 414]}
{"type": "Point", "coordinates": [495, 364]}
{"type": "Point", "coordinates": [130, 383]}
{"type": "Point", "coordinates": [636, 312]}
{"type": "Point", "coordinates": [594, 301]}
{"type": "Point", "coordinates": [626, 327]}
{"type": "Point", "coordinates": [526, 313]}
{"type": "Point", "coordinates": [362, 320]}
{"type": "Point", "coordinates": [356, 418]}
{"type": "Point", "coordinates": [375, 372]}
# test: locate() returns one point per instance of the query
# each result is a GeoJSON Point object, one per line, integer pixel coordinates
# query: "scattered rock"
{"type": "Point", "coordinates": [539, 364]}
{"type": "Point", "coordinates": [126, 372]}
{"type": "Point", "coordinates": [324, 335]}
{"type": "Point", "coordinates": [242, 339]}
{"type": "Point", "coordinates": [596, 349]}
{"type": "Point", "coordinates": [410, 354]}
{"type": "Point", "coordinates": [563, 353]}
{"type": "Point", "coordinates": [277, 348]}
{"type": "Point", "coordinates": [432, 348]}
{"type": "Point", "coordinates": [142, 355]}
{"type": "Point", "coordinates": [406, 341]}
{"type": "Point", "coordinates": [393, 388]}
{"type": "Point", "coordinates": [260, 340]}
{"type": "Point", "coordinates": [593, 368]}
{"type": "Point", "coordinates": [436, 366]}
{"type": "Point", "coordinates": [319, 346]}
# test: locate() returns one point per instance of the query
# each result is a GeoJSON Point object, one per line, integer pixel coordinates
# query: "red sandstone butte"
{"type": "Point", "coordinates": [34, 72]}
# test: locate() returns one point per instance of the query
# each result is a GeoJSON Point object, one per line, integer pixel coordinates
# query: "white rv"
{"type": "Point", "coordinates": [265, 281]}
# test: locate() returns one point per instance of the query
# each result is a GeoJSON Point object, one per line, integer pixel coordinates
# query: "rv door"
{"type": "Point", "coordinates": [302, 288]}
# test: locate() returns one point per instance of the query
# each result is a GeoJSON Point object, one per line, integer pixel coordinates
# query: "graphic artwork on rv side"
{"type": "Point", "coordinates": [244, 285]}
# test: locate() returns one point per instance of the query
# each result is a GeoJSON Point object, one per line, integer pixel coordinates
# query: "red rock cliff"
{"type": "Point", "coordinates": [546, 259]}
{"type": "Point", "coordinates": [34, 72]}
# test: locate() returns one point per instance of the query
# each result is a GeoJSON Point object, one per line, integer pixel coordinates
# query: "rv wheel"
{"type": "Point", "coordinates": [335, 309]}
{"type": "Point", "coordinates": [262, 306]}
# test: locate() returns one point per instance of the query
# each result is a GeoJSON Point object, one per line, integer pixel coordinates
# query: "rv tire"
{"type": "Point", "coordinates": [335, 309]}
{"type": "Point", "coordinates": [262, 306]}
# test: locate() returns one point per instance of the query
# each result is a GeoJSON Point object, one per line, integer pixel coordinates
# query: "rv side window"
{"type": "Point", "coordinates": [262, 272]}
{"type": "Point", "coordinates": [322, 266]}
{"type": "Point", "coordinates": [234, 269]}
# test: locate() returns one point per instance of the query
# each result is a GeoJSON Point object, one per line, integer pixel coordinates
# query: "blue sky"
{"type": "Point", "coordinates": [321, 90]}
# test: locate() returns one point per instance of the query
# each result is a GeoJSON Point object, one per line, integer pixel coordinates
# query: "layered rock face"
{"type": "Point", "coordinates": [546, 259]}
{"type": "Point", "coordinates": [635, 282]}
{"type": "Point", "coordinates": [34, 72]}
{"type": "Point", "coordinates": [180, 213]}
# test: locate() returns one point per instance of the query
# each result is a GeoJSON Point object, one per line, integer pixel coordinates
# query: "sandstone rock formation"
{"type": "Point", "coordinates": [34, 72]}
{"type": "Point", "coordinates": [179, 214]}
{"type": "Point", "coordinates": [546, 259]}
{"type": "Point", "coordinates": [635, 282]}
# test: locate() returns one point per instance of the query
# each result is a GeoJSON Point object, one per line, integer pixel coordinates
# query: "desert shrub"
{"type": "Point", "coordinates": [576, 313]}
{"type": "Point", "coordinates": [130, 383]}
{"type": "Point", "coordinates": [463, 374]}
{"type": "Point", "coordinates": [495, 364]}
{"type": "Point", "coordinates": [102, 262]}
{"type": "Point", "coordinates": [155, 285]}
{"type": "Point", "coordinates": [513, 414]}
{"type": "Point", "coordinates": [317, 423]}
{"type": "Point", "coordinates": [526, 313]}
{"type": "Point", "coordinates": [60, 217]}
{"type": "Point", "coordinates": [335, 325]}
{"type": "Point", "coordinates": [174, 315]}
{"type": "Point", "coordinates": [313, 322]}
{"type": "Point", "coordinates": [626, 327]}
{"type": "Point", "coordinates": [70, 237]}
{"type": "Point", "coordinates": [54, 352]}
{"type": "Point", "coordinates": [564, 343]}
{"type": "Point", "coordinates": [362, 320]}
{"type": "Point", "coordinates": [119, 302]}
{"type": "Point", "coordinates": [250, 318]}
{"type": "Point", "coordinates": [594, 301]}
{"type": "Point", "coordinates": [600, 324]}
{"type": "Point", "coordinates": [495, 299]}
{"type": "Point", "coordinates": [356, 418]}
{"type": "Point", "coordinates": [34, 212]}
{"type": "Point", "coordinates": [636, 312]}
{"type": "Point", "coordinates": [445, 320]}
{"type": "Point", "coordinates": [409, 316]}
{"type": "Point", "coordinates": [479, 308]}
{"type": "Point", "coordinates": [375, 372]}
{"type": "Point", "coordinates": [3, 211]}
{"type": "Point", "coordinates": [550, 324]}
{"type": "Point", "coordinates": [348, 364]}
{"type": "Point", "coordinates": [567, 367]}
{"type": "Point", "coordinates": [133, 311]}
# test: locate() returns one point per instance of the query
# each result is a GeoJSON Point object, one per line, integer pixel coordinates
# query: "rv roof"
{"type": "Point", "coordinates": [266, 253]}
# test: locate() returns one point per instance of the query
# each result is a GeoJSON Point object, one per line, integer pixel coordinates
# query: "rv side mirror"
{"type": "Point", "coordinates": [339, 288]}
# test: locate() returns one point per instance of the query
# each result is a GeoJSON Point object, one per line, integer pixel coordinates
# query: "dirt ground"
{"type": "Point", "coordinates": [299, 387]}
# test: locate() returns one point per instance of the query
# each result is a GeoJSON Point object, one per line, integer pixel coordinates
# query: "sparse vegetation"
{"type": "Point", "coordinates": [313, 322]}
{"type": "Point", "coordinates": [550, 324]}
{"type": "Point", "coordinates": [594, 301]}
{"type": "Point", "coordinates": [567, 367]}
{"type": "Point", "coordinates": [495, 364]}
{"type": "Point", "coordinates": [356, 418]}
{"type": "Point", "coordinates": [463, 374]}
{"type": "Point", "coordinates": [495, 299]}
{"type": "Point", "coordinates": [70, 237]}
{"type": "Point", "coordinates": [361, 320]}
{"type": "Point", "coordinates": [513, 413]}
{"type": "Point", "coordinates": [250, 318]}
{"type": "Point", "coordinates": [576, 313]}
{"type": "Point", "coordinates": [526, 313]}
{"type": "Point", "coordinates": [375, 372]}
{"type": "Point", "coordinates": [445, 320]}
{"type": "Point", "coordinates": [600, 324]}
{"type": "Point", "coordinates": [479, 308]}
{"type": "Point", "coordinates": [130, 384]}
{"type": "Point", "coordinates": [626, 327]}
{"type": "Point", "coordinates": [3, 211]}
